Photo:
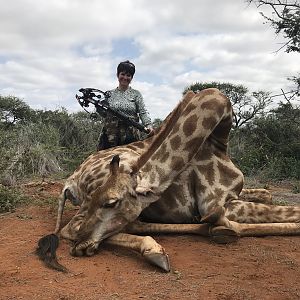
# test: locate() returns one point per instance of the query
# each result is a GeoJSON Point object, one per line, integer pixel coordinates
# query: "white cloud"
{"type": "Point", "coordinates": [49, 49]}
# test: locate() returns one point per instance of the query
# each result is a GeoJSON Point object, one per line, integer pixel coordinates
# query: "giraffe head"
{"type": "Point", "coordinates": [114, 205]}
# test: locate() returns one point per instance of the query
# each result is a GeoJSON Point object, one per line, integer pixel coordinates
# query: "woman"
{"type": "Point", "coordinates": [128, 101]}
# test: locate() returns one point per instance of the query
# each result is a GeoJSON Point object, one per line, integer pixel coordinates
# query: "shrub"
{"type": "Point", "coordinates": [9, 199]}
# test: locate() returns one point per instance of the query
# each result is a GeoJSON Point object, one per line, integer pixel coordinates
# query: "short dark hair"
{"type": "Point", "coordinates": [127, 67]}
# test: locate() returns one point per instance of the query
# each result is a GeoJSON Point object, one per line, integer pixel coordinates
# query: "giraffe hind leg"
{"type": "Point", "coordinates": [267, 229]}
{"type": "Point", "coordinates": [255, 213]}
{"type": "Point", "coordinates": [256, 195]}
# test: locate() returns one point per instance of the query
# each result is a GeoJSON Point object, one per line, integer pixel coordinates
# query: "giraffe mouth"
{"type": "Point", "coordinates": [90, 246]}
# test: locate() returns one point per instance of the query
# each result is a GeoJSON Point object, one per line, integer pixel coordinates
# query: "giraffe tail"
{"type": "Point", "coordinates": [46, 251]}
{"type": "Point", "coordinates": [250, 212]}
{"type": "Point", "coordinates": [66, 194]}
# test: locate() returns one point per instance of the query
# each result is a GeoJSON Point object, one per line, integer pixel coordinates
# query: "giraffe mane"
{"type": "Point", "coordinates": [163, 132]}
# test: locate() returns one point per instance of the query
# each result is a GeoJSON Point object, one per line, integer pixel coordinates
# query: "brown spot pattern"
{"type": "Point", "coordinates": [231, 217]}
{"type": "Point", "coordinates": [204, 154]}
{"type": "Point", "coordinates": [164, 158]}
{"type": "Point", "coordinates": [208, 172]}
{"type": "Point", "coordinates": [160, 173]}
{"type": "Point", "coordinates": [175, 142]}
{"type": "Point", "coordinates": [177, 163]}
{"type": "Point", "coordinates": [147, 168]}
{"type": "Point", "coordinates": [214, 105]}
{"type": "Point", "coordinates": [208, 92]}
{"type": "Point", "coordinates": [219, 193]}
{"type": "Point", "coordinates": [241, 211]}
{"type": "Point", "coordinates": [190, 125]}
{"type": "Point", "coordinates": [209, 123]}
{"type": "Point", "coordinates": [175, 129]}
{"type": "Point", "coordinates": [189, 109]}
{"type": "Point", "coordinates": [227, 174]}
{"type": "Point", "coordinates": [152, 178]}
{"type": "Point", "coordinates": [192, 146]}
{"type": "Point", "coordinates": [160, 152]}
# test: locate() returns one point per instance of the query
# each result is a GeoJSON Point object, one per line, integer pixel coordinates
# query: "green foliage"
{"type": "Point", "coordinates": [9, 199]}
{"type": "Point", "coordinates": [156, 122]}
{"type": "Point", "coordinates": [13, 110]}
{"type": "Point", "coordinates": [29, 149]}
{"type": "Point", "coordinates": [75, 130]}
{"type": "Point", "coordinates": [296, 188]}
{"type": "Point", "coordinates": [45, 143]}
{"type": "Point", "coordinates": [270, 145]}
{"type": "Point", "coordinates": [285, 19]}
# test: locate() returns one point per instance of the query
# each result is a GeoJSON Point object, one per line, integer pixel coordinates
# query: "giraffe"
{"type": "Point", "coordinates": [179, 180]}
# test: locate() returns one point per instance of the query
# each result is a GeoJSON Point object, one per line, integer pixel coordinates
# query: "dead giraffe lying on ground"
{"type": "Point", "coordinates": [173, 180]}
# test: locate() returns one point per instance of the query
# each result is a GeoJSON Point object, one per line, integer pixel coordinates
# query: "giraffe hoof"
{"type": "Point", "coordinates": [160, 260]}
{"type": "Point", "coordinates": [224, 235]}
{"type": "Point", "coordinates": [214, 216]}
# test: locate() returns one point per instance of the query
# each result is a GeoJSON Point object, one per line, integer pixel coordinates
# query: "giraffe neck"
{"type": "Point", "coordinates": [166, 128]}
{"type": "Point", "coordinates": [170, 153]}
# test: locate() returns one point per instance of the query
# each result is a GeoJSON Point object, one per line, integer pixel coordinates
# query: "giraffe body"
{"type": "Point", "coordinates": [180, 176]}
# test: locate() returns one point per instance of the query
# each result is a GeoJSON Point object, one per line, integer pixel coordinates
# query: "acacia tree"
{"type": "Point", "coordinates": [156, 122]}
{"type": "Point", "coordinates": [13, 110]}
{"type": "Point", "coordinates": [285, 19]}
{"type": "Point", "coordinates": [246, 105]}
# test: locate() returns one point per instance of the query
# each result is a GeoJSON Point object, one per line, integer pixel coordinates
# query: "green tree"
{"type": "Point", "coordinates": [156, 122]}
{"type": "Point", "coordinates": [270, 145]}
{"type": "Point", "coordinates": [285, 19]}
{"type": "Point", "coordinates": [59, 119]}
{"type": "Point", "coordinates": [14, 110]}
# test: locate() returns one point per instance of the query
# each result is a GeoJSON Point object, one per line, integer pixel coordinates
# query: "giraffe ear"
{"type": "Point", "coordinates": [142, 190]}
{"type": "Point", "coordinates": [114, 165]}
{"type": "Point", "coordinates": [147, 198]}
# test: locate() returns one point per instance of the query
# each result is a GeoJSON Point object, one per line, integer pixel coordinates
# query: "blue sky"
{"type": "Point", "coordinates": [50, 49]}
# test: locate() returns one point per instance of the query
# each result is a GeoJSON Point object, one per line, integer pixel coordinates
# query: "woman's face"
{"type": "Point", "coordinates": [124, 79]}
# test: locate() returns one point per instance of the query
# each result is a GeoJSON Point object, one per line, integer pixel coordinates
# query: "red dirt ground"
{"type": "Point", "coordinates": [252, 268]}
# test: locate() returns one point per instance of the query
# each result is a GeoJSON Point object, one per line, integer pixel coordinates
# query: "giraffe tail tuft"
{"type": "Point", "coordinates": [46, 251]}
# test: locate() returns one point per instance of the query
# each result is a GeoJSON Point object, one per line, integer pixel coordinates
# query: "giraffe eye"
{"type": "Point", "coordinates": [111, 203]}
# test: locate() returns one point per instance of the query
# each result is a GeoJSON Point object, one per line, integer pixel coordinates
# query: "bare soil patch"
{"type": "Point", "coordinates": [252, 268]}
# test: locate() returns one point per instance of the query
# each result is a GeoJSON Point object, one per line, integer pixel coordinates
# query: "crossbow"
{"type": "Point", "coordinates": [99, 99]}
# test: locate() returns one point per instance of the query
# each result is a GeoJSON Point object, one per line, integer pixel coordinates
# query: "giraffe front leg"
{"type": "Point", "coordinates": [224, 235]}
{"type": "Point", "coordinates": [222, 230]}
{"type": "Point", "coordinates": [143, 227]}
{"type": "Point", "coordinates": [145, 245]}
{"type": "Point", "coordinates": [218, 233]}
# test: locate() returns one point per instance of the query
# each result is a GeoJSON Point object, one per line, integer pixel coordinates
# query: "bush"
{"type": "Point", "coordinates": [279, 168]}
{"type": "Point", "coordinates": [270, 145]}
{"type": "Point", "coordinates": [31, 149]}
{"type": "Point", "coordinates": [9, 199]}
